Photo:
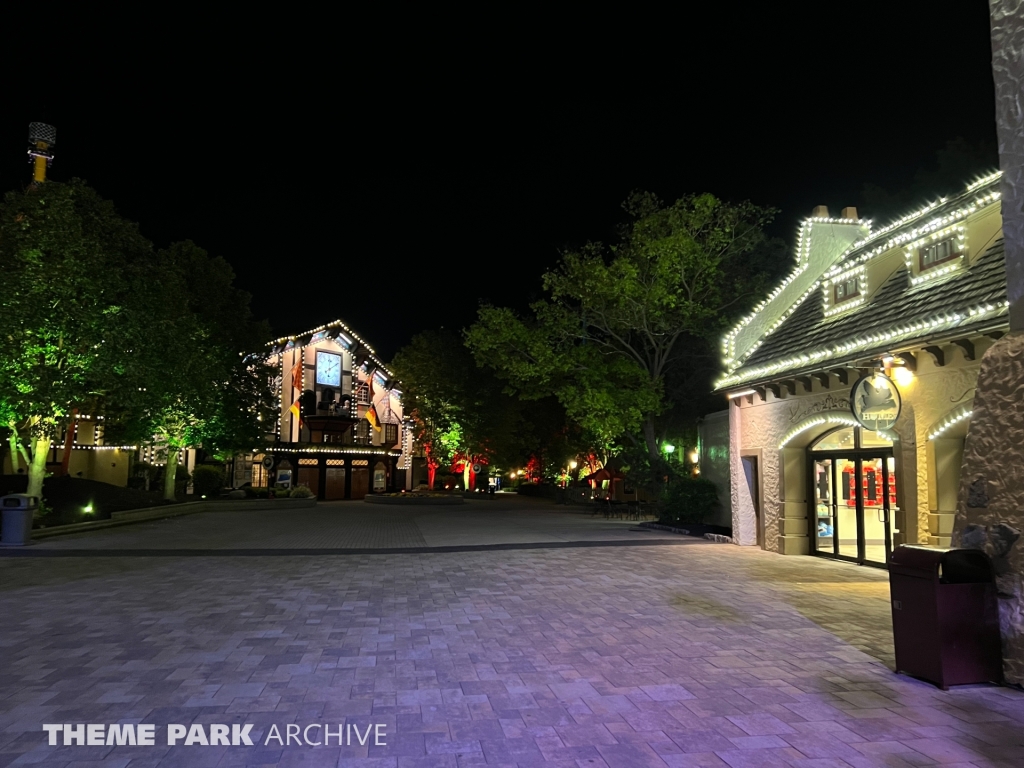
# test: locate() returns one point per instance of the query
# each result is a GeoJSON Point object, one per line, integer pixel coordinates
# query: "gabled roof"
{"type": "Point", "coordinates": [898, 314]}
{"type": "Point", "coordinates": [336, 330]}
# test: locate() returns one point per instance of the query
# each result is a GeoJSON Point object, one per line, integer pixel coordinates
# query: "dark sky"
{"type": "Point", "coordinates": [396, 171]}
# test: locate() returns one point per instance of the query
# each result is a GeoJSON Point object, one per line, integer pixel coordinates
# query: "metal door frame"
{"type": "Point", "coordinates": [857, 456]}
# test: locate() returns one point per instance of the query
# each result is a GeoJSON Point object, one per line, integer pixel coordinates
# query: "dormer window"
{"type": "Point", "coordinates": [937, 254]}
{"type": "Point", "coordinates": [844, 290]}
{"type": "Point", "coordinates": [930, 256]}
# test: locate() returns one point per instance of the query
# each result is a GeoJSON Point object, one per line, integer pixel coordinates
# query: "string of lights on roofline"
{"type": "Point", "coordinates": [947, 320]}
{"type": "Point", "coordinates": [358, 451]}
{"type": "Point", "coordinates": [732, 361]}
{"type": "Point", "coordinates": [803, 252]}
{"type": "Point", "coordinates": [372, 353]}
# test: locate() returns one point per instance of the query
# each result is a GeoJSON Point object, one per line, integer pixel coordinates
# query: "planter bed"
{"type": "Point", "coordinates": [129, 516]}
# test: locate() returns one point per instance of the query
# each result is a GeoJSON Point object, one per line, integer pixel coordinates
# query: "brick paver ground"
{"type": "Point", "coordinates": [697, 654]}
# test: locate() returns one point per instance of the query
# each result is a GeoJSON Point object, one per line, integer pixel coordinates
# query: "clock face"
{"type": "Point", "coordinates": [328, 369]}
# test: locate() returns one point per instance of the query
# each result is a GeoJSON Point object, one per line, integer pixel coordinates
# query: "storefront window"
{"type": "Point", "coordinates": [834, 441]}
{"type": "Point", "coordinates": [851, 437]}
{"type": "Point", "coordinates": [259, 473]}
{"type": "Point", "coordinates": [871, 439]}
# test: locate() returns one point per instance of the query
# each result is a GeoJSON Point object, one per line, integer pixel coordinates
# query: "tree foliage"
{"type": "Point", "coordinates": [204, 386]}
{"type": "Point", "coordinates": [621, 320]}
{"type": "Point", "coordinates": [461, 410]}
{"type": "Point", "coordinates": [93, 321]}
{"type": "Point", "coordinates": [69, 267]}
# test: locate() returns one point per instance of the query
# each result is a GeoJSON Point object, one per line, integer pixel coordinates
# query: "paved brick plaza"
{"type": "Point", "coordinates": [684, 653]}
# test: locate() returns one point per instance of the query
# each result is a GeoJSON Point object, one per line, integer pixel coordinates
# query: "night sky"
{"type": "Point", "coordinates": [394, 172]}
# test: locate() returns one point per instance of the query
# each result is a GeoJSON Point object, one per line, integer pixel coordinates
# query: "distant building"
{"type": "Point", "coordinates": [85, 453]}
{"type": "Point", "coordinates": [916, 302]}
{"type": "Point", "coordinates": [340, 428]}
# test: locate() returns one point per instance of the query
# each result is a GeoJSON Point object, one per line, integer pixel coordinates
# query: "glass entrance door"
{"type": "Point", "coordinates": [835, 496]}
{"type": "Point", "coordinates": [853, 489]}
{"type": "Point", "coordinates": [878, 492]}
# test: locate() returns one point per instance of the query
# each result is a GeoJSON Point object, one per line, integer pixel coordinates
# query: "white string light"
{"type": "Point", "coordinates": [851, 262]}
{"type": "Point", "coordinates": [943, 320]}
{"type": "Point", "coordinates": [954, 418]}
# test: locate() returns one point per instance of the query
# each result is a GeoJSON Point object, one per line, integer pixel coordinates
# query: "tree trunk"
{"type": "Point", "coordinates": [12, 442]}
{"type": "Point", "coordinates": [651, 440]}
{"type": "Point", "coordinates": [170, 473]}
{"type": "Point", "coordinates": [69, 440]}
{"type": "Point", "coordinates": [37, 467]}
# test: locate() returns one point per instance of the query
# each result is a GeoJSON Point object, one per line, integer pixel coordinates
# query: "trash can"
{"type": "Point", "coordinates": [945, 617]}
{"type": "Point", "coordinates": [17, 510]}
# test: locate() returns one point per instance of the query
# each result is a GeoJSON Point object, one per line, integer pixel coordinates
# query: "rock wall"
{"type": "Point", "coordinates": [989, 512]}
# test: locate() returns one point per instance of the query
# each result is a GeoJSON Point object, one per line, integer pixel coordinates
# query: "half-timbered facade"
{"type": "Point", "coordinates": [340, 429]}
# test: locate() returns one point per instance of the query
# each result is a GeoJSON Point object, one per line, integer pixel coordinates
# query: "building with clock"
{"type": "Point", "coordinates": [850, 385]}
{"type": "Point", "coordinates": [340, 428]}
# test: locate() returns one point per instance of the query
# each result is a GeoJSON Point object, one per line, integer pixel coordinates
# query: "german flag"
{"type": "Point", "coordinates": [371, 416]}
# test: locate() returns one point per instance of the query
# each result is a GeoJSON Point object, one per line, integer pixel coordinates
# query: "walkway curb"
{"type": "Point", "coordinates": [320, 552]}
{"type": "Point", "coordinates": [128, 516]}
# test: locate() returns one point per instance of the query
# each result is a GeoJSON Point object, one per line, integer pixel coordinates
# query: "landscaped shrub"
{"type": "Point", "coordinates": [207, 481]}
{"type": "Point", "coordinates": [690, 500]}
{"type": "Point", "coordinates": [256, 493]}
{"type": "Point", "coordinates": [181, 480]}
{"type": "Point", "coordinates": [302, 492]}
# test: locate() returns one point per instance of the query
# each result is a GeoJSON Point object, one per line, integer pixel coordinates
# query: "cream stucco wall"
{"type": "Point", "coordinates": [928, 397]}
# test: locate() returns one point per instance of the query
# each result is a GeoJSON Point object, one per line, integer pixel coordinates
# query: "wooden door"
{"type": "Point", "coordinates": [335, 483]}
{"type": "Point", "coordinates": [310, 477]}
{"type": "Point", "coordinates": [360, 482]}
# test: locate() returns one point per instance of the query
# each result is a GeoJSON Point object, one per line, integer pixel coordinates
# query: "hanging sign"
{"type": "Point", "coordinates": [875, 402]}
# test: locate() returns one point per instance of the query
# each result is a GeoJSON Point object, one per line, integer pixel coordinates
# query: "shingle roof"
{"type": "Point", "coordinates": [893, 307]}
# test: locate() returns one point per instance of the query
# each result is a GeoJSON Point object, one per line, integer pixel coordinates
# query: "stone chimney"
{"type": "Point", "coordinates": [849, 213]}
{"type": "Point", "coordinates": [820, 212]}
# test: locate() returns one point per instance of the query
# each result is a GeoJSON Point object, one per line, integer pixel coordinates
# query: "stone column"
{"type": "Point", "coordinates": [990, 508]}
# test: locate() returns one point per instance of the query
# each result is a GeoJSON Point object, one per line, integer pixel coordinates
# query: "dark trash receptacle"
{"type": "Point", "coordinates": [16, 512]}
{"type": "Point", "coordinates": [945, 617]}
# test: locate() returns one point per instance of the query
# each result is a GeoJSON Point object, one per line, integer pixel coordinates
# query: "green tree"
{"type": "Point", "coordinates": [620, 319]}
{"type": "Point", "coordinates": [437, 376]}
{"type": "Point", "coordinates": [462, 410]}
{"type": "Point", "coordinates": [70, 321]}
{"type": "Point", "coordinates": [203, 387]}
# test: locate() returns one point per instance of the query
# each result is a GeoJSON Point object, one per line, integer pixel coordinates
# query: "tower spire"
{"type": "Point", "coordinates": [41, 138]}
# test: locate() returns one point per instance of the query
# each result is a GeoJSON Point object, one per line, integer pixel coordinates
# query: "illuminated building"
{"type": "Point", "coordinates": [920, 301]}
{"type": "Point", "coordinates": [339, 428]}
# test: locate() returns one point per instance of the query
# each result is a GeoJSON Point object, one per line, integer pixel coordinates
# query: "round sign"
{"type": "Point", "coordinates": [875, 402]}
{"type": "Point", "coordinates": [268, 461]}
{"type": "Point", "coordinates": [476, 469]}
